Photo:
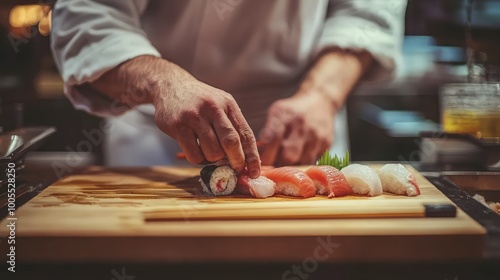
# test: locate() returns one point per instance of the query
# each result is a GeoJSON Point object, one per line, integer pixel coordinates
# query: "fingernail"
{"type": "Point", "coordinates": [254, 173]}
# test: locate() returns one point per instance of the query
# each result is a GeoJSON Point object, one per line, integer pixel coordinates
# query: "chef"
{"type": "Point", "coordinates": [216, 77]}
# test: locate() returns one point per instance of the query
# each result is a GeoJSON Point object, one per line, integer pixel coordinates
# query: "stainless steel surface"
{"type": "Point", "coordinates": [18, 142]}
{"type": "Point", "coordinates": [486, 181]}
{"type": "Point", "coordinates": [458, 151]}
{"type": "Point", "coordinates": [8, 144]}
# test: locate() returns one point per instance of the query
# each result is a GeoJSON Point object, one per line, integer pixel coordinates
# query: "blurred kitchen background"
{"type": "Point", "coordinates": [385, 118]}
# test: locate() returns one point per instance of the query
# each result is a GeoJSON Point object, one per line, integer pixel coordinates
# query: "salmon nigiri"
{"type": "Point", "coordinates": [329, 180]}
{"type": "Point", "coordinates": [291, 181]}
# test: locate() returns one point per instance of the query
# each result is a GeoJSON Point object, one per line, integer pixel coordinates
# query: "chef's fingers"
{"type": "Point", "coordinates": [311, 149]}
{"type": "Point", "coordinates": [271, 136]}
{"type": "Point", "coordinates": [293, 144]}
{"type": "Point", "coordinates": [315, 148]}
{"type": "Point", "coordinates": [319, 147]}
{"type": "Point", "coordinates": [187, 140]}
{"type": "Point", "coordinates": [248, 142]}
{"type": "Point", "coordinates": [319, 151]}
{"type": "Point", "coordinates": [208, 142]}
{"type": "Point", "coordinates": [230, 142]}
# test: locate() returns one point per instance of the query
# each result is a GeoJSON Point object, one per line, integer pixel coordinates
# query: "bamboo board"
{"type": "Point", "coordinates": [99, 215]}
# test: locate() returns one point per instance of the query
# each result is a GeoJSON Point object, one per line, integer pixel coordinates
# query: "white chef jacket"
{"type": "Point", "coordinates": [257, 50]}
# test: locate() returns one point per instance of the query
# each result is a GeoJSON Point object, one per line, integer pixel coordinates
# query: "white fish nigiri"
{"type": "Point", "coordinates": [260, 187]}
{"type": "Point", "coordinates": [397, 179]}
{"type": "Point", "coordinates": [362, 179]}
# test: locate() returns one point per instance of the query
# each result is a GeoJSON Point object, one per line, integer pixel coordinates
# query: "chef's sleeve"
{"type": "Point", "coordinates": [376, 26]}
{"type": "Point", "coordinates": [90, 37]}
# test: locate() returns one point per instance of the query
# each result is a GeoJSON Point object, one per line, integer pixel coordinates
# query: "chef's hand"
{"type": "Point", "coordinates": [297, 130]}
{"type": "Point", "coordinates": [206, 122]}
{"type": "Point", "coordinates": [300, 128]}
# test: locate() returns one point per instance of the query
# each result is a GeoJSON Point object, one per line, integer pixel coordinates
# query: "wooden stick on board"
{"type": "Point", "coordinates": [291, 210]}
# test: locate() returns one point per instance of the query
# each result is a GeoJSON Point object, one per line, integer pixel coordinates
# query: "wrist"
{"type": "Point", "coordinates": [334, 74]}
{"type": "Point", "coordinates": [315, 99]}
{"type": "Point", "coordinates": [168, 81]}
{"type": "Point", "coordinates": [155, 78]}
{"type": "Point", "coordinates": [321, 92]}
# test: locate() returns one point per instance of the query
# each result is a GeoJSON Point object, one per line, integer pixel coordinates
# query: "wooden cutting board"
{"type": "Point", "coordinates": [99, 214]}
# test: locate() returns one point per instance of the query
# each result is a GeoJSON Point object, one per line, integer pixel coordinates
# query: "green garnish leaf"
{"type": "Point", "coordinates": [335, 161]}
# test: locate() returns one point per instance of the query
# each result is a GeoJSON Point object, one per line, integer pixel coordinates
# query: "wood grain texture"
{"type": "Point", "coordinates": [98, 215]}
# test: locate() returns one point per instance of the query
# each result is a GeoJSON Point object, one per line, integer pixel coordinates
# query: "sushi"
{"type": "Point", "coordinates": [397, 179]}
{"type": "Point", "coordinates": [260, 187]}
{"type": "Point", "coordinates": [363, 179]}
{"type": "Point", "coordinates": [328, 180]}
{"type": "Point", "coordinates": [218, 180]}
{"type": "Point", "coordinates": [291, 181]}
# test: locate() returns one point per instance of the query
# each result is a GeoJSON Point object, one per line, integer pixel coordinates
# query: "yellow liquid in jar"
{"type": "Point", "coordinates": [489, 125]}
{"type": "Point", "coordinates": [481, 125]}
{"type": "Point", "coordinates": [460, 121]}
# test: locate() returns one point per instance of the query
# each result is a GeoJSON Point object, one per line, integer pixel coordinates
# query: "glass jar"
{"type": "Point", "coordinates": [471, 109]}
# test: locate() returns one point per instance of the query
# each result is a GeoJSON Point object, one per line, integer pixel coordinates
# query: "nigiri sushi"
{"type": "Point", "coordinates": [260, 187]}
{"type": "Point", "coordinates": [291, 181]}
{"type": "Point", "coordinates": [362, 179]}
{"type": "Point", "coordinates": [329, 180]}
{"type": "Point", "coordinates": [218, 180]}
{"type": "Point", "coordinates": [397, 179]}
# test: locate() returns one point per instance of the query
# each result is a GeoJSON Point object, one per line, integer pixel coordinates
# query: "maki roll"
{"type": "Point", "coordinates": [218, 180]}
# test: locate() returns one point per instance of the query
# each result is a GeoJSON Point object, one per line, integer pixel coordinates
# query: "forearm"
{"type": "Point", "coordinates": [334, 75]}
{"type": "Point", "coordinates": [135, 81]}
